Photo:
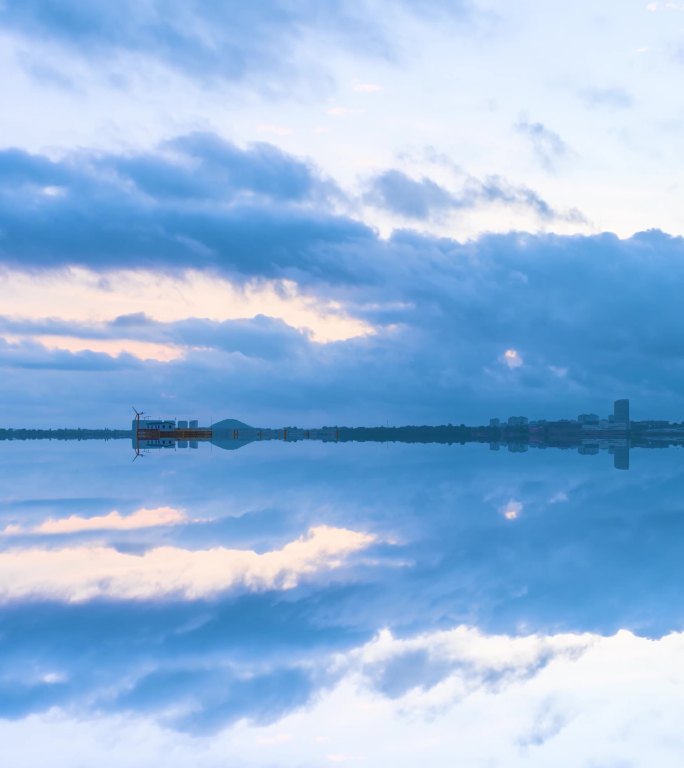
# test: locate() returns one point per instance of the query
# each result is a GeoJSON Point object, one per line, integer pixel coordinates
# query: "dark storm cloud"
{"type": "Point", "coordinates": [213, 169]}
{"type": "Point", "coordinates": [197, 167]}
{"type": "Point", "coordinates": [203, 202]}
{"type": "Point", "coordinates": [443, 312]}
{"type": "Point", "coordinates": [230, 40]}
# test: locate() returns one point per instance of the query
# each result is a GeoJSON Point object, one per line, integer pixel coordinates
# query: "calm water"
{"type": "Point", "coordinates": [317, 604]}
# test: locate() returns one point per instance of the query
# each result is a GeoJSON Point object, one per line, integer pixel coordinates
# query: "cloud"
{"type": "Point", "coordinates": [94, 323]}
{"type": "Point", "coordinates": [197, 167]}
{"type": "Point", "coordinates": [113, 521]}
{"type": "Point", "coordinates": [512, 359]}
{"type": "Point", "coordinates": [408, 318]}
{"type": "Point", "coordinates": [101, 305]}
{"type": "Point", "coordinates": [550, 700]}
{"type": "Point", "coordinates": [527, 590]}
{"type": "Point", "coordinates": [208, 206]}
{"type": "Point", "coordinates": [367, 87]}
{"type": "Point", "coordinates": [466, 658]}
{"type": "Point", "coordinates": [424, 199]}
{"type": "Point", "coordinates": [266, 45]}
{"type": "Point", "coordinates": [671, 5]}
{"type": "Point", "coordinates": [612, 98]}
{"type": "Point", "coordinates": [212, 701]}
{"type": "Point", "coordinates": [202, 166]}
{"type": "Point", "coordinates": [88, 572]}
{"type": "Point", "coordinates": [548, 146]}
{"type": "Point", "coordinates": [429, 301]}
{"type": "Point", "coordinates": [401, 194]}
{"type": "Point", "coordinates": [111, 347]}
{"type": "Point", "coordinates": [511, 510]}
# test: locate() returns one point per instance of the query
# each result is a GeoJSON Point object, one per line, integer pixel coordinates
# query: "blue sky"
{"type": "Point", "coordinates": [350, 213]}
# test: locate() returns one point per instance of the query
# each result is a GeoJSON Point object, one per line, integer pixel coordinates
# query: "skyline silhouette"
{"type": "Point", "coordinates": [588, 434]}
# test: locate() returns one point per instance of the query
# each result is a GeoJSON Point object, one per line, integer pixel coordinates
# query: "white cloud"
{"type": "Point", "coordinates": [343, 111]}
{"type": "Point", "coordinates": [668, 6]}
{"type": "Point", "coordinates": [113, 521]}
{"type": "Point", "coordinates": [511, 510]}
{"type": "Point", "coordinates": [273, 128]}
{"type": "Point", "coordinates": [512, 358]}
{"type": "Point", "coordinates": [53, 678]}
{"type": "Point", "coordinates": [565, 700]}
{"type": "Point", "coordinates": [86, 572]}
{"type": "Point", "coordinates": [52, 191]}
{"type": "Point", "coordinates": [367, 88]}
{"type": "Point", "coordinates": [477, 648]}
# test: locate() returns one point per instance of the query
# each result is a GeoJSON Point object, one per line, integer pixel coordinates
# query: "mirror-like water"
{"type": "Point", "coordinates": [311, 603]}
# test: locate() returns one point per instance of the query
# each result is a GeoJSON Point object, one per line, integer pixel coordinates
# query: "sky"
{"type": "Point", "coordinates": [350, 213]}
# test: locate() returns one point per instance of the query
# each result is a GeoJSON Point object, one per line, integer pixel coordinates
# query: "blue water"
{"type": "Point", "coordinates": [221, 628]}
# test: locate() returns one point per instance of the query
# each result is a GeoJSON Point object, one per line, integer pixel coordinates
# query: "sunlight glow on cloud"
{"type": "Point", "coordinates": [512, 358]}
{"type": "Point", "coordinates": [511, 510]}
{"type": "Point", "coordinates": [343, 111]}
{"type": "Point", "coordinates": [79, 573]}
{"type": "Point", "coordinates": [113, 521]}
{"type": "Point", "coordinates": [82, 295]}
{"type": "Point", "coordinates": [366, 88]}
{"type": "Point", "coordinates": [143, 350]}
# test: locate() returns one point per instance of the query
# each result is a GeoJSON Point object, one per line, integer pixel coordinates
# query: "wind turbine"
{"type": "Point", "coordinates": [138, 414]}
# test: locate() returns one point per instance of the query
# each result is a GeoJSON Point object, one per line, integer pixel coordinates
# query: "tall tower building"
{"type": "Point", "coordinates": [621, 412]}
{"type": "Point", "coordinates": [621, 457]}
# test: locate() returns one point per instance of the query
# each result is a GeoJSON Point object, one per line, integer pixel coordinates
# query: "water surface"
{"type": "Point", "coordinates": [308, 604]}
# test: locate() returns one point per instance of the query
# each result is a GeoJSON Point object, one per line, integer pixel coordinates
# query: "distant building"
{"type": "Point", "coordinates": [154, 433]}
{"type": "Point", "coordinates": [588, 450]}
{"type": "Point", "coordinates": [588, 418]}
{"type": "Point", "coordinates": [495, 422]}
{"type": "Point", "coordinates": [620, 456]}
{"type": "Point", "coordinates": [517, 421]}
{"type": "Point", "coordinates": [621, 412]}
{"type": "Point", "coordinates": [161, 424]}
{"type": "Point", "coordinates": [654, 424]}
